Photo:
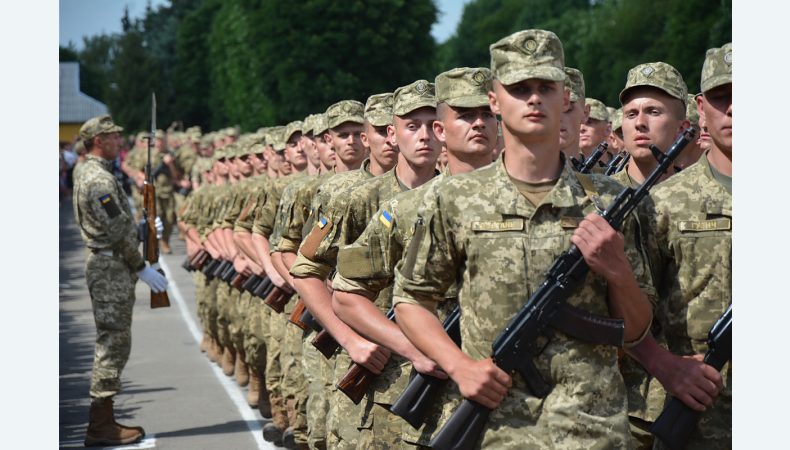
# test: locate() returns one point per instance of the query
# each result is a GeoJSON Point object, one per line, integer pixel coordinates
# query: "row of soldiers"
{"type": "Point", "coordinates": [351, 212]}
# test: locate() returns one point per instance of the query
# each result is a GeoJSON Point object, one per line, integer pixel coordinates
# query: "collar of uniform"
{"type": "Point", "coordinates": [724, 204]}
{"type": "Point", "coordinates": [106, 164]}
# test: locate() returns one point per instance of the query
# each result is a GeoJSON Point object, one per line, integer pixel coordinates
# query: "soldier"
{"type": "Point", "coordinates": [654, 112]}
{"type": "Point", "coordinates": [363, 284]}
{"type": "Point", "coordinates": [695, 149]}
{"type": "Point", "coordinates": [516, 214]}
{"type": "Point", "coordinates": [692, 226]}
{"type": "Point", "coordinates": [596, 129]}
{"type": "Point", "coordinates": [616, 144]}
{"type": "Point", "coordinates": [102, 212]}
{"type": "Point", "coordinates": [575, 115]}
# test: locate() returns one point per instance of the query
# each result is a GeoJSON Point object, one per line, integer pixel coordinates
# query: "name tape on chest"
{"type": "Point", "coordinates": [705, 225]}
{"type": "Point", "coordinates": [499, 225]}
{"type": "Point", "coordinates": [570, 222]}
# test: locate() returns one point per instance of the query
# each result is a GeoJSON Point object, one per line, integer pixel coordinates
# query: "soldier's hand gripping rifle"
{"type": "Point", "coordinates": [150, 240]}
{"type": "Point", "coordinates": [516, 345]}
{"type": "Point", "coordinates": [677, 421]}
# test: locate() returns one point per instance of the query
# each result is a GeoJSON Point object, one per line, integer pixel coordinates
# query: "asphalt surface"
{"type": "Point", "coordinates": [169, 387]}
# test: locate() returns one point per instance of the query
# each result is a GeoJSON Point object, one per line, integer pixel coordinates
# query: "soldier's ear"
{"type": "Point", "coordinates": [492, 103]}
{"type": "Point", "coordinates": [438, 130]}
{"type": "Point", "coordinates": [391, 134]}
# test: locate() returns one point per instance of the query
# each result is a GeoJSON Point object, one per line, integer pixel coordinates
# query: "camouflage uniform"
{"type": "Point", "coordinates": [105, 220]}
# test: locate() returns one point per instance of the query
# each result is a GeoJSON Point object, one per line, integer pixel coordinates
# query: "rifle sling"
{"type": "Point", "coordinates": [588, 327]}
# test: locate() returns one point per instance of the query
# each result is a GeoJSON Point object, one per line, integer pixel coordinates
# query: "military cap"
{"type": "Point", "coordinates": [159, 134]}
{"type": "Point", "coordinates": [194, 130]}
{"type": "Point", "coordinates": [231, 150]}
{"type": "Point", "coordinates": [658, 75]}
{"type": "Point", "coordinates": [219, 153]}
{"type": "Point", "coordinates": [291, 128]}
{"type": "Point", "coordinates": [574, 81]}
{"type": "Point", "coordinates": [717, 68]}
{"type": "Point", "coordinates": [309, 123]}
{"type": "Point", "coordinates": [345, 111]}
{"type": "Point", "coordinates": [231, 131]}
{"type": "Point", "coordinates": [463, 87]}
{"type": "Point", "coordinates": [378, 109]}
{"type": "Point", "coordinates": [278, 139]}
{"type": "Point", "coordinates": [258, 147]}
{"type": "Point", "coordinates": [691, 110]}
{"type": "Point", "coordinates": [98, 125]}
{"type": "Point", "coordinates": [610, 111]}
{"type": "Point", "coordinates": [418, 94]}
{"type": "Point", "coordinates": [617, 119]}
{"type": "Point", "coordinates": [528, 54]}
{"type": "Point", "coordinates": [140, 136]}
{"type": "Point", "coordinates": [320, 124]}
{"type": "Point", "coordinates": [597, 109]}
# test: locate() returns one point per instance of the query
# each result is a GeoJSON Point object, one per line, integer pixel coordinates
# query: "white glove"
{"type": "Point", "coordinates": [155, 280]}
{"type": "Point", "coordinates": [160, 227]}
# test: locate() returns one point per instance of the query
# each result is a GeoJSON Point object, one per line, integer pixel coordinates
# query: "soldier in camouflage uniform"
{"type": "Point", "coordinates": [105, 220]}
{"type": "Point", "coordinates": [692, 230]}
{"type": "Point", "coordinates": [654, 112]}
{"type": "Point", "coordinates": [596, 129]}
{"type": "Point", "coordinates": [616, 144]}
{"type": "Point", "coordinates": [520, 213]}
{"type": "Point", "coordinates": [696, 148]}
{"type": "Point", "coordinates": [575, 115]}
{"type": "Point", "coordinates": [365, 272]}
{"type": "Point", "coordinates": [132, 160]}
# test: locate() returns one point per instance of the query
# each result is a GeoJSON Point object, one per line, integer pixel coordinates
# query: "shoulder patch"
{"type": "Point", "coordinates": [495, 225]}
{"type": "Point", "coordinates": [386, 218]}
{"type": "Point", "coordinates": [313, 240]}
{"type": "Point", "coordinates": [110, 207]}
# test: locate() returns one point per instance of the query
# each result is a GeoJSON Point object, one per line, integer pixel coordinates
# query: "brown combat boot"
{"type": "Point", "coordinates": [164, 246]}
{"type": "Point", "coordinates": [228, 361]}
{"type": "Point", "coordinates": [254, 389]}
{"type": "Point", "coordinates": [241, 370]}
{"type": "Point", "coordinates": [103, 430]}
{"type": "Point", "coordinates": [213, 351]}
{"type": "Point", "coordinates": [205, 344]}
{"type": "Point", "coordinates": [264, 403]}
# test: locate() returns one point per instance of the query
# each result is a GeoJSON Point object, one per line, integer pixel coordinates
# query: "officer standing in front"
{"type": "Point", "coordinates": [105, 219]}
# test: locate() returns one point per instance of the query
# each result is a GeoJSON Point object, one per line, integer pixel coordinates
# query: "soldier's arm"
{"type": "Point", "coordinates": [109, 216]}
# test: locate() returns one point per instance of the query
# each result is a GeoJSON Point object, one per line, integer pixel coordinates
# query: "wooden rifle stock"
{"type": "Point", "coordinates": [325, 343]}
{"type": "Point", "coordinates": [296, 315]}
{"type": "Point", "coordinates": [355, 382]}
{"type": "Point", "coordinates": [238, 281]}
{"type": "Point", "coordinates": [200, 258]}
{"type": "Point", "coordinates": [277, 299]}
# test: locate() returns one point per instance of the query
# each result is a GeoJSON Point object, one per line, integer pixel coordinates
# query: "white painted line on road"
{"type": "Point", "coordinates": [147, 442]}
{"type": "Point", "coordinates": [231, 388]}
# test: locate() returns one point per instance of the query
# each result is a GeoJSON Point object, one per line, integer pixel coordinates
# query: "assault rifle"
{"type": "Point", "coordinates": [677, 421]}
{"type": "Point", "coordinates": [412, 405]}
{"type": "Point", "coordinates": [589, 163]}
{"type": "Point", "coordinates": [150, 241]}
{"type": "Point", "coordinates": [516, 345]}
{"type": "Point", "coordinates": [296, 315]}
{"type": "Point", "coordinates": [614, 164]}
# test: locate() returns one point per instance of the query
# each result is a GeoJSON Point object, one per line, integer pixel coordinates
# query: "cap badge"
{"type": "Point", "coordinates": [728, 58]}
{"type": "Point", "coordinates": [420, 87]}
{"type": "Point", "coordinates": [530, 45]}
{"type": "Point", "coordinates": [479, 78]}
{"type": "Point", "coordinates": [347, 108]}
{"type": "Point", "coordinates": [647, 71]}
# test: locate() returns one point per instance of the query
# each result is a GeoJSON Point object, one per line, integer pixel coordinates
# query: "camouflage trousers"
{"type": "Point", "coordinates": [274, 372]}
{"type": "Point", "coordinates": [166, 210]}
{"type": "Point", "coordinates": [111, 288]}
{"type": "Point", "coordinates": [344, 416]}
{"type": "Point", "coordinates": [379, 428]}
{"type": "Point", "coordinates": [313, 366]}
{"type": "Point", "coordinates": [223, 313]}
{"type": "Point", "coordinates": [200, 299]}
{"type": "Point", "coordinates": [211, 308]}
{"type": "Point", "coordinates": [235, 310]}
{"type": "Point", "coordinates": [257, 327]}
{"type": "Point", "coordinates": [294, 383]}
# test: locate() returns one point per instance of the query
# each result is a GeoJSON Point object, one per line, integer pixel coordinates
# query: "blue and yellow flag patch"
{"type": "Point", "coordinates": [104, 199]}
{"type": "Point", "coordinates": [322, 222]}
{"type": "Point", "coordinates": [386, 218]}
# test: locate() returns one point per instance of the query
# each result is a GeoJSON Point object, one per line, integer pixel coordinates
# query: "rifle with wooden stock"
{"type": "Point", "coordinates": [296, 315]}
{"type": "Point", "coordinates": [516, 345]}
{"type": "Point", "coordinates": [677, 421]}
{"type": "Point", "coordinates": [150, 241]}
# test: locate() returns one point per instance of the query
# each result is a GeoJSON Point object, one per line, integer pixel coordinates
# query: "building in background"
{"type": "Point", "coordinates": [75, 107]}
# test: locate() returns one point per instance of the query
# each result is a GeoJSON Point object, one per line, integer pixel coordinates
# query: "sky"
{"type": "Point", "coordinates": [80, 18]}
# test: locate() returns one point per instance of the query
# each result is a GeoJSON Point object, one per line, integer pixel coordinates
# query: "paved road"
{"type": "Point", "coordinates": [171, 389]}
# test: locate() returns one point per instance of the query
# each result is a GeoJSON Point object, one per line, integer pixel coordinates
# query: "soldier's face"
{"type": "Point", "coordinates": [380, 145]}
{"type": "Point", "coordinates": [616, 143]}
{"type": "Point", "coordinates": [716, 108]}
{"type": "Point", "coordinates": [467, 131]}
{"type": "Point", "coordinates": [591, 133]}
{"type": "Point", "coordinates": [650, 117]}
{"type": "Point", "coordinates": [244, 165]}
{"type": "Point", "coordinates": [294, 153]}
{"type": "Point", "coordinates": [347, 142]}
{"type": "Point", "coordinates": [530, 109]}
{"type": "Point", "coordinates": [325, 151]}
{"type": "Point", "coordinates": [284, 166]}
{"type": "Point", "coordinates": [413, 133]}
{"type": "Point", "coordinates": [570, 123]}
{"type": "Point", "coordinates": [110, 143]}
{"type": "Point", "coordinates": [308, 145]}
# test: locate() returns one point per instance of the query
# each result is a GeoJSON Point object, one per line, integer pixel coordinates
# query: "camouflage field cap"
{"type": "Point", "coordinates": [160, 134]}
{"type": "Point", "coordinates": [256, 148]}
{"type": "Point", "coordinates": [574, 81]}
{"type": "Point", "coordinates": [291, 129]}
{"type": "Point", "coordinates": [528, 54]}
{"type": "Point", "coordinates": [345, 111]}
{"type": "Point", "coordinates": [597, 109]}
{"type": "Point", "coordinates": [691, 110]}
{"type": "Point", "coordinates": [378, 109]}
{"type": "Point", "coordinates": [418, 94]}
{"type": "Point", "coordinates": [278, 139]}
{"type": "Point", "coordinates": [219, 153]}
{"type": "Point", "coordinates": [320, 125]}
{"type": "Point", "coordinates": [231, 131]}
{"type": "Point", "coordinates": [610, 111]}
{"type": "Point", "coordinates": [617, 119]}
{"type": "Point", "coordinates": [717, 68]}
{"type": "Point", "coordinates": [659, 75]}
{"type": "Point", "coordinates": [309, 123]}
{"type": "Point", "coordinates": [231, 150]}
{"type": "Point", "coordinates": [98, 125]}
{"type": "Point", "coordinates": [464, 87]}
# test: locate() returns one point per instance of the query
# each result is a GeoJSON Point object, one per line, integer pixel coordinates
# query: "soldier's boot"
{"type": "Point", "coordinates": [264, 403]}
{"type": "Point", "coordinates": [273, 434]}
{"type": "Point", "coordinates": [205, 344]}
{"type": "Point", "coordinates": [165, 247]}
{"type": "Point", "coordinates": [241, 369]}
{"type": "Point", "coordinates": [229, 361]}
{"type": "Point", "coordinates": [254, 390]}
{"type": "Point", "coordinates": [289, 441]}
{"type": "Point", "coordinates": [213, 348]}
{"type": "Point", "coordinates": [103, 430]}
